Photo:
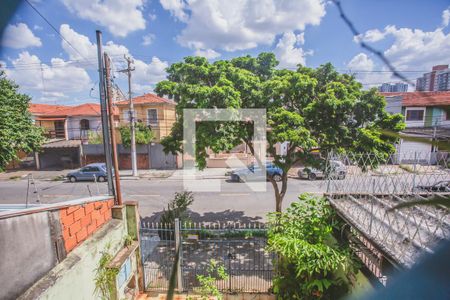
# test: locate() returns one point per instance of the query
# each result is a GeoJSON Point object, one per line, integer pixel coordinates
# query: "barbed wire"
{"type": "Point", "coordinates": [369, 48]}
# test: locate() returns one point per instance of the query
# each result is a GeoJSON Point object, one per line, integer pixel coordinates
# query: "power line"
{"type": "Point", "coordinates": [53, 27]}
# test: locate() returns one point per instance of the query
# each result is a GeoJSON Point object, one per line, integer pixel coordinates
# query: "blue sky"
{"type": "Point", "coordinates": [414, 35]}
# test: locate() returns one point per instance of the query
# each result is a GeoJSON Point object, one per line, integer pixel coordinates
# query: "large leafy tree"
{"type": "Point", "coordinates": [314, 110]}
{"type": "Point", "coordinates": [17, 131]}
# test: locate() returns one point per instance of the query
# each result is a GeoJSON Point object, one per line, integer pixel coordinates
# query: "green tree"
{"type": "Point", "coordinates": [144, 134]}
{"type": "Point", "coordinates": [311, 264]}
{"type": "Point", "coordinates": [17, 131]}
{"type": "Point", "coordinates": [314, 110]}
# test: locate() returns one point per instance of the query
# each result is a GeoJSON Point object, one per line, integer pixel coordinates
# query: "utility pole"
{"type": "Point", "coordinates": [104, 113]}
{"type": "Point", "coordinates": [131, 116]}
{"type": "Point", "coordinates": [111, 124]}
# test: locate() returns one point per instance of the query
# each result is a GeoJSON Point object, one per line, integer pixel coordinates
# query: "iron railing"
{"type": "Point", "coordinates": [238, 247]}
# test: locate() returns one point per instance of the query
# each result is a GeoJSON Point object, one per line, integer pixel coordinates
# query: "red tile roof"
{"type": "Point", "coordinates": [147, 98]}
{"type": "Point", "coordinates": [422, 98]}
{"type": "Point", "coordinates": [86, 109]}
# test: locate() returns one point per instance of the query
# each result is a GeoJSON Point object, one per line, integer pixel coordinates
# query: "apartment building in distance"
{"type": "Point", "coordinates": [436, 80]}
{"type": "Point", "coordinates": [397, 87]}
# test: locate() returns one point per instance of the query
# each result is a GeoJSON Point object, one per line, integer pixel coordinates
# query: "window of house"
{"type": "Point", "coordinates": [84, 124]}
{"type": "Point", "coordinates": [152, 116]}
{"type": "Point", "coordinates": [126, 115]}
{"type": "Point", "coordinates": [414, 115]}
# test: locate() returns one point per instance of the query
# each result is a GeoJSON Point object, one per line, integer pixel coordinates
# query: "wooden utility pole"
{"type": "Point", "coordinates": [104, 113]}
{"type": "Point", "coordinates": [131, 116]}
{"type": "Point", "coordinates": [111, 124]}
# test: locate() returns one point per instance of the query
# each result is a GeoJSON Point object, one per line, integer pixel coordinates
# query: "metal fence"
{"type": "Point", "coordinates": [239, 248]}
{"type": "Point", "coordinates": [373, 185]}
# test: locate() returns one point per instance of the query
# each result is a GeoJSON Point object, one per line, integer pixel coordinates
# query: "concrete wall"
{"type": "Point", "coordinates": [74, 277]}
{"type": "Point", "coordinates": [35, 240]}
{"type": "Point", "coordinates": [26, 251]}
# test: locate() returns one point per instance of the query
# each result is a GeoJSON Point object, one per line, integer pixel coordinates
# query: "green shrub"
{"type": "Point", "coordinates": [144, 135]}
{"type": "Point", "coordinates": [215, 271]}
{"type": "Point", "coordinates": [176, 209]}
{"type": "Point", "coordinates": [311, 264]}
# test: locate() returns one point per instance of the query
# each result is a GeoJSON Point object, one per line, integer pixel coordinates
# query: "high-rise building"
{"type": "Point", "coordinates": [393, 87]}
{"type": "Point", "coordinates": [436, 80]}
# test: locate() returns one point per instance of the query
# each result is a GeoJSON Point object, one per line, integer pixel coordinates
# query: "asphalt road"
{"type": "Point", "coordinates": [235, 201]}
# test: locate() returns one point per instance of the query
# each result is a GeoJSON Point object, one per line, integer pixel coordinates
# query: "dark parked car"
{"type": "Point", "coordinates": [93, 172]}
{"type": "Point", "coordinates": [254, 172]}
{"type": "Point", "coordinates": [441, 186]}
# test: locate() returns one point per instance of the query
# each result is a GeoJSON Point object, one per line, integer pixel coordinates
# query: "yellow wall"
{"type": "Point", "coordinates": [166, 117]}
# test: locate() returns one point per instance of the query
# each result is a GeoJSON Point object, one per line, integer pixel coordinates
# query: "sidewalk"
{"type": "Point", "coordinates": [208, 173]}
{"type": "Point", "coordinates": [58, 175]}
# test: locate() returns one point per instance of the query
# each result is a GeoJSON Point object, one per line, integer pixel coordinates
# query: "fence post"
{"type": "Point", "coordinates": [179, 251]}
{"type": "Point", "coordinates": [414, 172]}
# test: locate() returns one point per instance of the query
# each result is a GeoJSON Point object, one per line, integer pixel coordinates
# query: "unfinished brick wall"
{"type": "Point", "coordinates": [80, 221]}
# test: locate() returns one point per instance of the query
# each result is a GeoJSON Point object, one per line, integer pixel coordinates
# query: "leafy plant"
{"type": "Point", "coordinates": [95, 138]}
{"type": "Point", "coordinates": [144, 135]}
{"type": "Point", "coordinates": [105, 277]}
{"type": "Point", "coordinates": [215, 271]}
{"type": "Point", "coordinates": [17, 131]}
{"type": "Point", "coordinates": [311, 264]}
{"type": "Point", "coordinates": [178, 208]}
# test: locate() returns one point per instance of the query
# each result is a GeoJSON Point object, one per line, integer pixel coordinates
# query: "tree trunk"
{"type": "Point", "coordinates": [279, 195]}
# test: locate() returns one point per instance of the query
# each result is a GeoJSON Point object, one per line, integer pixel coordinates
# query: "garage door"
{"type": "Point", "coordinates": [410, 151]}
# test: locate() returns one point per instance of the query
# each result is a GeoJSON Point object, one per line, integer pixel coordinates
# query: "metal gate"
{"type": "Point", "coordinates": [161, 160]}
{"type": "Point", "coordinates": [239, 248]}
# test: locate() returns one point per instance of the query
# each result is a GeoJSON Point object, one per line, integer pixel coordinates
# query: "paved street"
{"type": "Point", "coordinates": [235, 201]}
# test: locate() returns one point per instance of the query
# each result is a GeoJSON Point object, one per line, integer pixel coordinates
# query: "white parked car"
{"type": "Point", "coordinates": [336, 170]}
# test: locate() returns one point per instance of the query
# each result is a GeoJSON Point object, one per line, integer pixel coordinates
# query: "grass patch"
{"type": "Point", "coordinates": [59, 178]}
{"type": "Point", "coordinates": [408, 168]}
{"type": "Point", "coordinates": [17, 177]}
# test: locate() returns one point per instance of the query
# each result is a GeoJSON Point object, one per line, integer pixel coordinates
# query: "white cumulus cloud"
{"type": "Point", "coordinates": [176, 8]}
{"type": "Point", "coordinates": [19, 36]}
{"type": "Point", "coordinates": [148, 39]}
{"type": "Point", "coordinates": [57, 78]}
{"type": "Point", "coordinates": [446, 17]}
{"type": "Point", "coordinates": [288, 50]}
{"type": "Point", "coordinates": [361, 62]}
{"type": "Point", "coordinates": [119, 16]}
{"type": "Point", "coordinates": [243, 24]}
{"type": "Point", "coordinates": [208, 53]}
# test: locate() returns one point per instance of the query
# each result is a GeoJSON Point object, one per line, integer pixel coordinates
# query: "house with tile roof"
{"type": "Point", "coordinates": [156, 112]}
{"type": "Point", "coordinates": [427, 116]}
{"type": "Point", "coordinates": [67, 122]}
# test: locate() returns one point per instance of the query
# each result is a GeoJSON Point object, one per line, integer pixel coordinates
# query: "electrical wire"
{"type": "Point", "coordinates": [53, 27]}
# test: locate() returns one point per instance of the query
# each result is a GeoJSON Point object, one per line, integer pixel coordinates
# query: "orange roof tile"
{"type": "Point", "coordinates": [48, 110]}
{"type": "Point", "coordinates": [422, 98]}
{"type": "Point", "coordinates": [147, 98]}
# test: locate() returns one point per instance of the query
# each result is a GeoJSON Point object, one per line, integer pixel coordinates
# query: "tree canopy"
{"type": "Point", "coordinates": [17, 131]}
{"type": "Point", "coordinates": [314, 110]}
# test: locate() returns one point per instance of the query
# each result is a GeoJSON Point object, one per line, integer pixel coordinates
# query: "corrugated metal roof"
{"type": "Point", "coordinates": [62, 144]}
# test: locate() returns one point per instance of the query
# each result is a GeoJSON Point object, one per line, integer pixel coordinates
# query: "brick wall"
{"type": "Point", "coordinates": [80, 221]}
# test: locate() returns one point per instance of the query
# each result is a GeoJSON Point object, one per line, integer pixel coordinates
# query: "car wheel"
{"type": "Point", "coordinates": [312, 176]}
{"type": "Point", "coordinates": [277, 177]}
{"type": "Point", "coordinates": [101, 179]}
{"type": "Point", "coordinates": [72, 179]}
